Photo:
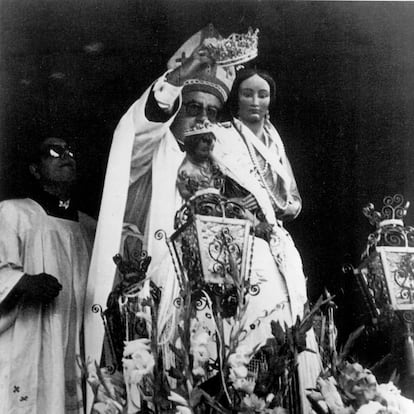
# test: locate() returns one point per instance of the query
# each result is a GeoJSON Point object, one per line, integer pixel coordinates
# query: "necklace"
{"type": "Point", "coordinates": [263, 170]}
{"type": "Point", "coordinates": [260, 171]}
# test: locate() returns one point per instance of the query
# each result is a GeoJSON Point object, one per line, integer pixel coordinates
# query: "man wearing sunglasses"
{"type": "Point", "coordinates": [45, 246]}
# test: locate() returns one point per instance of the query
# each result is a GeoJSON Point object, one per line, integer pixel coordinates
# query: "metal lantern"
{"type": "Point", "coordinates": [386, 272]}
{"type": "Point", "coordinates": [212, 244]}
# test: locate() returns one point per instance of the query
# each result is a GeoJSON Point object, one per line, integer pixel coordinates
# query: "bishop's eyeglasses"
{"type": "Point", "coordinates": [195, 109]}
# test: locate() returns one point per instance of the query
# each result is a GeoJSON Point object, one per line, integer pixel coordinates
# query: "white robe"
{"type": "Point", "coordinates": [144, 161]}
{"type": "Point", "coordinates": [38, 345]}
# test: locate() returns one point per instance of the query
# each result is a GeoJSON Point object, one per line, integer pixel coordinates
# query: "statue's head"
{"type": "Point", "coordinates": [199, 146]}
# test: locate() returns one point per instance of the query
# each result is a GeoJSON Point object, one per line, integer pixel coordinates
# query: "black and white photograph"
{"type": "Point", "coordinates": [205, 207]}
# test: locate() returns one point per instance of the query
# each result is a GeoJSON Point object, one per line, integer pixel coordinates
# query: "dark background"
{"type": "Point", "coordinates": [345, 97]}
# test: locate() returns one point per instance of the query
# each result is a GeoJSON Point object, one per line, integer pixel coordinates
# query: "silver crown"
{"type": "Point", "coordinates": [236, 49]}
{"type": "Point", "coordinates": [206, 128]}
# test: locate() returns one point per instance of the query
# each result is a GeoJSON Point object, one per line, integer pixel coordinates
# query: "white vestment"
{"type": "Point", "coordinates": [38, 344]}
{"type": "Point", "coordinates": [140, 187]}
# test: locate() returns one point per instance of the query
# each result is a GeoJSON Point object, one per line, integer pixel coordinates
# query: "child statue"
{"type": "Point", "coordinates": [198, 170]}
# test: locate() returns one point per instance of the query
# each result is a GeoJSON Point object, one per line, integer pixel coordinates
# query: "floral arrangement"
{"type": "Point", "coordinates": [203, 378]}
{"type": "Point", "coordinates": [355, 390]}
{"type": "Point", "coordinates": [346, 387]}
{"type": "Point", "coordinates": [228, 377]}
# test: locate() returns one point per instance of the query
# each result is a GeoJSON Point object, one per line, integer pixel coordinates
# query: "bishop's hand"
{"type": "Point", "coordinates": [191, 67]}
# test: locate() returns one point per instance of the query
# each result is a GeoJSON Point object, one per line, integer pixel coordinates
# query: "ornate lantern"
{"type": "Point", "coordinates": [212, 245]}
{"type": "Point", "coordinates": [386, 272]}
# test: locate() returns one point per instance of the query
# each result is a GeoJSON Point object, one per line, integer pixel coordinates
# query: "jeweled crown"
{"type": "Point", "coordinates": [236, 49]}
{"type": "Point", "coordinates": [206, 128]}
{"type": "Point", "coordinates": [393, 211]}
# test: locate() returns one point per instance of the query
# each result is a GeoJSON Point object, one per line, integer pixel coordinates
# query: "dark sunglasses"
{"type": "Point", "coordinates": [57, 151]}
{"type": "Point", "coordinates": [195, 109]}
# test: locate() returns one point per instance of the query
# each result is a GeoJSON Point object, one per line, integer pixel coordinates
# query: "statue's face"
{"type": "Point", "coordinates": [200, 146]}
{"type": "Point", "coordinates": [197, 109]}
{"type": "Point", "coordinates": [254, 99]}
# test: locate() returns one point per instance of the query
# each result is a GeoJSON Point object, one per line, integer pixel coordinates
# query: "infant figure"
{"type": "Point", "coordinates": [198, 170]}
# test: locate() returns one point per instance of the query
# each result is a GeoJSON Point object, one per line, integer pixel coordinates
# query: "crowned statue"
{"type": "Point", "coordinates": [219, 297]}
{"type": "Point", "coordinates": [198, 170]}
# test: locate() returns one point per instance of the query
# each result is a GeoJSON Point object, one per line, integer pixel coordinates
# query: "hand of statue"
{"type": "Point", "coordinates": [191, 66]}
{"type": "Point", "coordinates": [249, 203]}
{"type": "Point", "coordinates": [291, 211]}
{"type": "Point", "coordinates": [41, 288]}
{"type": "Point", "coordinates": [263, 230]}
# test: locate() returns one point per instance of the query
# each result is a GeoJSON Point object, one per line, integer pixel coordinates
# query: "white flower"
{"type": "Point", "coordinates": [138, 360]}
{"type": "Point", "coordinates": [199, 350]}
{"type": "Point", "coordinates": [254, 402]}
{"type": "Point", "coordinates": [199, 347]}
{"type": "Point", "coordinates": [395, 401]}
{"type": "Point", "coordinates": [136, 346]}
{"type": "Point", "coordinates": [238, 362]}
{"type": "Point", "coordinates": [243, 384]}
{"type": "Point", "coordinates": [238, 377]}
{"type": "Point", "coordinates": [239, 372]}
{"type": "Point", "coordinates": [199, 371]}
{"type": "Point", "coordinates": [240, 357]}
{"type": "Point", "coordinates": [373, 407]}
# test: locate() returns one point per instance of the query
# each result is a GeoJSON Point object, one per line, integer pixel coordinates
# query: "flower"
{"type": "Point", "coordinates": [240, 357]}
{"type": "Point", "coordinates": [238, 372]}
{"type": "Point", "coordinates": [199, 371]}
{"type": "Point", "coordinates": [391, 395]}
{"type": "Point", "coordinates": [243, 384]}
{"type": "Point", "coordinates": [138, 360]}
{"type": "Point", "coordinates": [199, 349]}
{"type": "Point", "coordinates": [136, 346]}
{"type": "Point", "coordinates": [373, 407]}
{"type": "Point", "coordinates": [358, 384]}
{"type": "Point", "coordinates": [254, 402]}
